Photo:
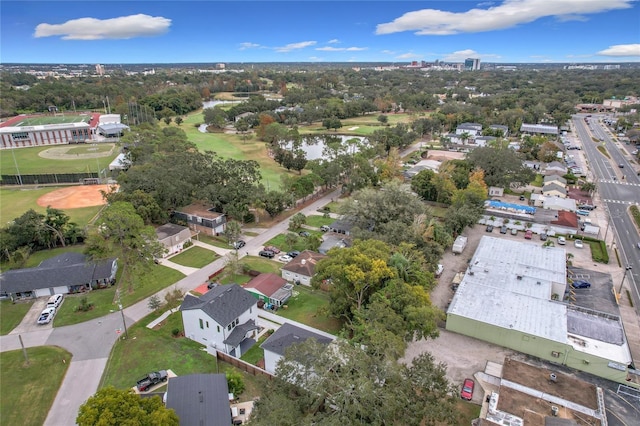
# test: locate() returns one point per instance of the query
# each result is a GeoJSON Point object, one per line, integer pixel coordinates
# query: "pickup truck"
{"type": "Point", "coordinates": [151, 379]}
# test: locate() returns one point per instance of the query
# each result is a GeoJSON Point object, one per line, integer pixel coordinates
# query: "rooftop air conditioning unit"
{"type": "Point", "coordinates": [554, 410]}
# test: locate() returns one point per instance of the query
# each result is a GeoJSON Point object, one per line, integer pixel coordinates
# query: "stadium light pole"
{"type": "Point", "coordinates": [16, 163]}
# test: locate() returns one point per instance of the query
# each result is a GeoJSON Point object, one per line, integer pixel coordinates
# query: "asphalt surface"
{"type": "Point", "coordinates": [618, 189]}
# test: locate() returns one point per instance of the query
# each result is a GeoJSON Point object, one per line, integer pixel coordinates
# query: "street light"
{"type": "Point", "coordinates": [627, 269]}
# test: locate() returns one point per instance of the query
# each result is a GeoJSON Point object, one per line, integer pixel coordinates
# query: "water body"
{"type": "Point", "coordinates": [314, 152]}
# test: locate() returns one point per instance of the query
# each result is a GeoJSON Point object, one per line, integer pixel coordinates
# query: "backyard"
{"type": "Point", "coordinates": [310, 307]}
{"type": "Point", "coordinates": [29, 388]}
{"type": "Point", "coordinates": [159, 349]}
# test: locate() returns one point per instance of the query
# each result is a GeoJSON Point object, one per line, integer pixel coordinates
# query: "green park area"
{"type": "Point", "coordinates": [29, 387]}
{"type": "Point", "coordinates": [29, 161]}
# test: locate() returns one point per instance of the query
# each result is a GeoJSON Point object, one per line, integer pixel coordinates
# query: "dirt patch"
{"type": "Point", "coordinates": [75, 197]}
{"type": "Point", "coordinates": [565, 387]}
{"type": "Point", "coordinates": [445, 155]}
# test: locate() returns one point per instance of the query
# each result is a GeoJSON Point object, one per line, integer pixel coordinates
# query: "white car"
{"type": "Point", "coordinates": [285, 258]}
{"type": "Point", "coordinates": [578, 243]}
{"type": "Point", "coordinates": [562, 241]}
{"type": "Point", "coordinates": [439, 270]}
{"type": "Point", "coordinates": [47, 315]}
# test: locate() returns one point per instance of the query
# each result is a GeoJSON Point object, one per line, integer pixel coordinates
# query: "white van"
{"type": "Point", "coordinates": [54, 301]}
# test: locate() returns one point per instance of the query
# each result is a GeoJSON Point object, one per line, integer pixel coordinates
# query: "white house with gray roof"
{"type": "Point", "coordinates": [223, 319]}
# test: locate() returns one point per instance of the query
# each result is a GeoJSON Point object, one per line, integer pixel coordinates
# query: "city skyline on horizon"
{"type": "Point", "coordinates": [169, 32]}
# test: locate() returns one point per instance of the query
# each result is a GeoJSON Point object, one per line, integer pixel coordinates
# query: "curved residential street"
{"type": "Point", "coordinates": [90, 342]}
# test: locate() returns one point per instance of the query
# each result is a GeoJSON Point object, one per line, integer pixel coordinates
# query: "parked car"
{"type": "Point", "coordinates": [239, 244]}
{"type": "Point", "coordinates": [522, 198]}
{"type": "Point", "coordinates": [266, 253]}
{"type": "Point", "coordinates": [586, 207]}
{"type": "Point", "coordinates": [578, 243]}
{"type": "Point", "coordinates": [562, 241]}
{"type": "Point", "coordinates": [467, 389]}
{"type": "Point", "coordinates": [621, 165]}
{"type": "Point", "coordinates": [543, 237]}
{"type": "Point", "coordinates": [439, 270]}
{"type": "Point", "coordinates": [489, 228]}
{"type": "Point", "coordinates": [514, 231]}
{"type": "Point", "coordinates": [151, 379]}
{"type": "Point", "coordinates": [503, 229]}
{"type": "Point", "coordinates": [46, 316]}
{"type": "Point", "coordinates": [212, 285]}
{"type": "Point", "coordinates": [54, 301]}
{"type": "Point", "coordinates": [293, 253]}
{"type": "Point", "coordinates": [583, 212]}
{"type": "Point", "coordinates": [581, 284]}
{"type": "Point", "coordinates": [304, 234]}
{"type": "Point", "coordinates": [273, 249]}
{"type": "Point", "coordinates": [528, 234]}
{"type": "Point", "coordinates": [324, 228]}
{"type": "Point", "coordinates": [285, 258]}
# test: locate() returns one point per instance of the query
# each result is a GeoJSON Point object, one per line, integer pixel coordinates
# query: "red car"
{"type": "Point", "coordinates": [273, 249]}
{"type": "Point", "coordinates": [528, 235]}
{"type": "Point", "coordinates": [467, 389]}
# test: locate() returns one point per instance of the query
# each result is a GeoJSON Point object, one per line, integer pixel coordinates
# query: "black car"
{"type": "Point", "coordinates": [503, 229]}
{"type": "Point", "coordinates": [543, 237]}
{"type": "Point", "coordinates": [266, 253]}
{"type": "Point", "coordinates": [489, 228]}
{"type": "Point", "coordinates": [581, 284]}
{"type": "Point", "coordinates": [522, 198]}
{"type": "Point", "coordinates": [293, 253]}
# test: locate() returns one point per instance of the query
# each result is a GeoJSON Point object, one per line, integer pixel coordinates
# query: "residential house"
{"type": "Point", "coordinates": [302, 268]}
{"type": "Point", "coordinates": [483, 141]}
{"type": "Point", "coordinates": [472, 129]}
{"type": "Point", "coordinates": [332, 240]}
{"type": "Point", "coordinates": [555, 179]}
{"type": "Point", "coordinates": [501, 128]}
{"type": "Point", "coordinates": [246, 115]}
{"type": "Point", "coordinates": [342, 226]}
{"type": "Point", "coordinates": [533, 165]}
{"type": "Point", "coordinates": [173, 237]}
{"type": "Point", "coordinates": [201, 218]}
{"type": "Point", "coordinates": [495, 191]}
{"type": "Point", "coordinates": [200, 399]}
{"type": "Point", "coordinates": [66, 273]}
{"type": "Point", "coordinates": [538, 129]}
{"type": "Point", "coordinates": [286, 336]}
{"type": "Point", "coordinates": [553, 189]}
{"type": "Point", "coordinates": [223, 319]}
{"type": "Point", "coordinates": [555, 168]}
{"type": "Point", "coordinates": [270, 289]}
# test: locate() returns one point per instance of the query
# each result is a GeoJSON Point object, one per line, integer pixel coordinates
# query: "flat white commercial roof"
{"type": "Point", "coordinates": [45, 127]}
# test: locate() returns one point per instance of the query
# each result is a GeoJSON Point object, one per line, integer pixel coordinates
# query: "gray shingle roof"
{"type": "Point", "coordinates": [289, 334]}
{"type": "Point", "coordinates": [169, 230]}
{"type": "Point", "coordinates": [67, 269]}
{"type": "Point", "coordinates": [200, 399]}
{"type": "Point", "coordinates": [239, 333]}
{"type": "Point", "coordinates": [223, 304]}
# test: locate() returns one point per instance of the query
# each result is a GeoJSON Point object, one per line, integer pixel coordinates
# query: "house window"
{"type": "Point", "coordinates": [207, 324]}
{"type": "Point", "coordinates": [201, 324]}
{"type": "Point", "coordinates": [218, 327]}
{"type": "Point", "coordinates": [229, 327]}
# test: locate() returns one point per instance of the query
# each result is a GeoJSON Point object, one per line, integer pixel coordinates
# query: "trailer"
{"type": "Point", "coordinates": [459, 244]}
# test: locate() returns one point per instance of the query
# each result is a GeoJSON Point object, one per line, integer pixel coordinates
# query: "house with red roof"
{"type": "Point", "coordinates": [270, 288]}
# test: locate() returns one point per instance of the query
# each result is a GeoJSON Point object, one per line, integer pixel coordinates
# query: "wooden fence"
{"type": "Point", "coordinates": [244, 366]}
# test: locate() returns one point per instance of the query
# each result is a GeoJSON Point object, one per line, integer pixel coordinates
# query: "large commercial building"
{"type": "Point", "coordinates": [511, 295]}
{"type": "Point", "coordinates": [471, 64]}
{"type": "Point", "coordinates": [47, 134]}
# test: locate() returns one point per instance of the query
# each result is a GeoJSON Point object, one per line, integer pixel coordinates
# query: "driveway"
{"type": "Point", "coordinates": [30, 321]}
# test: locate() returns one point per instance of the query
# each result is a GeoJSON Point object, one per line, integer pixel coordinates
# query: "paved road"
{"type": "Point", "coordinates": [616, 194]}
{"type": "Point", "coordinates": [91, 342]}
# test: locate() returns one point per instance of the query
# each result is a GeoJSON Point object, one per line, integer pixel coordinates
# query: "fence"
{"type": "Point", "coordinates": [244, 366]}
{"type": "Point", "coordinates": [47, 179]}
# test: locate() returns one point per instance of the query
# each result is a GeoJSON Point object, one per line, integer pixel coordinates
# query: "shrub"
{"type": "Point", "coordinates": [175, 332]}
{"type": "Point", "coordinates": [235, 382]}
{"type": "Point", "coordinates": [84, 305]}
{"type": "Point", "coordinates": [154, 302]}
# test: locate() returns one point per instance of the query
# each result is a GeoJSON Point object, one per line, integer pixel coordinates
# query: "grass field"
{"type": "Point", "coordinates": [195, 257]}
{"type": "Point", "coordinates": [11, 314]}
{"type": "Point", "coordinates": [28, 390]}
{"type": "Point", "coordinates": [150, 350]}
{"type": "Point", "coordinates": [308, 306]}
{"type": "Point", "coordinates": [29, 161]}
{"type": "Point", "coordinates": [16, 201]}
{"type": "Point", "coordinates": [53, 119]}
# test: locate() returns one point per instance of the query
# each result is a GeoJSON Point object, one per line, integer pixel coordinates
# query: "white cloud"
{"type": "Point", "coordinates": [294, 46]}
{"type": "Point", "coordinates": [333, 41]}
{"type": "Point", "coordinates": [461, 55]}
{"type": "Point", "coordinates": [123, 27]}
{"type": "Point", "coordinates": [506, 15]}
{"type": "Point", "coordinates": [389, 52]}
{"type": "Point", "coordinates": [248, 45]}
{"type": "Point", "coordinates": [341, 49]}
{"type": "Point", "coordinates": [408, 55]}
{"type": "Point", "coordinates": [621, 50]}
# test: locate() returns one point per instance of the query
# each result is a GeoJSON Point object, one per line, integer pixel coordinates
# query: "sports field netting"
{"type": "Point", "coordinates": [53, 119]}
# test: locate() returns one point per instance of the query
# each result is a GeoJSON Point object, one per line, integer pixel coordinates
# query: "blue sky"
{"type": "Point", "coordinates": [520, 31]}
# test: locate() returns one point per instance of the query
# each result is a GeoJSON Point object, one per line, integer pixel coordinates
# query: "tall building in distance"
{"type": "Point", "coordinates": [99, 69]}
{"type": "Point", "coordinates": [471, 64]}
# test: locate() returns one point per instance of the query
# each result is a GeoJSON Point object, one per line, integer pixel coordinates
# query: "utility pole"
{"type": "Point", "coordinates": [627, 269]}
{"type": "Point", "coordinates": [124, 323]}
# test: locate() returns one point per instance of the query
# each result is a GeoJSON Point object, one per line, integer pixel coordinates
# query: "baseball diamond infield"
{"type": "Point", "coordinates": [75, 197]}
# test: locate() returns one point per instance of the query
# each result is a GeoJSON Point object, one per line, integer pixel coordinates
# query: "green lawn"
{"type": "Point", "coordinates": [254, 263]}
{"type": "Point", "coordinates": [195, 257]}
{"type": "Point", "coordinates": [317, 221]}
{"type": "Point", "coordinates": [280, 241]}
{"type": "Point", "coordinates": [51, 119]}
{"type": "Point", "coordinates": [308, 307]}
{"type": "Point", "coordinates": [28, 390]}
{"type": "Point", "coordinates": [256, 353]}
{"type": "Point", "coordinates": [29, 162]}
{"type": "Point", "coordinates": [11, 314]}
{"type": "Point", "coordinates": [16, 201]}
{"type": "Point", "coordinates": [103, 299]}
{"type": "Point", "coordinates": [149, 350]}
{"type": "Point", "coordinates": [214, 241]}
{"type": "Point", "coordinates": [538, 181]}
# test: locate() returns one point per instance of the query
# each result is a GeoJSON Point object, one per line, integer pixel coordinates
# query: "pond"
{"type": "Point", "coordinates": [316, 151]}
